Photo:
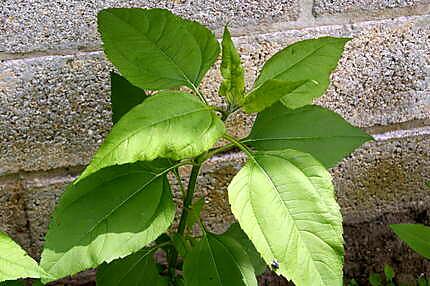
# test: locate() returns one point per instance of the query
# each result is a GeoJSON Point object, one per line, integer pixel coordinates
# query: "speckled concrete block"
{"type": "Point", "coordinates": [13, 219]}
{"type": "Point", "coordinates": [54, 111]}
{"type": "Point", "coordinates": [55, 25]}
{"type": "Point", "coordinates": [332, 7]}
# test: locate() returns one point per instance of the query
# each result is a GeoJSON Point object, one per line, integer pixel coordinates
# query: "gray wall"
{"type": "Point", "coordinates": [55, 110]}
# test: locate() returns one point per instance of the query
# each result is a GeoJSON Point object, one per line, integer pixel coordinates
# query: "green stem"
{"type": "Point", "coordinates": [218, 150]}
{"type": "Point", "coordinates": [239, 145]}
{"type": "Point", "coordinates": [199, 94]}
{"type": "Point", "coordinates": [178, 178]}
{"type": "Point", "coordinates": [173, 259]}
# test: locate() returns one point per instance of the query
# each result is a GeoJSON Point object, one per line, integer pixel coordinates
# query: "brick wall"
{"type": "Point", "coordinates": [55, 110]}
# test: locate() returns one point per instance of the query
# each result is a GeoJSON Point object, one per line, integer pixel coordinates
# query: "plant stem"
{"type": "Point", "coordinates": [173, 259]}
{"type": "Point", "coordinates": [239, 145]}
{"type": "Point", "coordinates": [199, 94]}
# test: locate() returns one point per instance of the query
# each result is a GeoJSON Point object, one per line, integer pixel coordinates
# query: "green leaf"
{"type": "Point", "coordinates": [417, 236]}
{"type": "Point", "coordinates": [180, 244]}
{"type": "Point", "coordinates": [353, 282]}
{"type": "Point", "coordinates": [15, 263]}
{"type": "Point", "coordinates": [311, 129]}
{"type": "Point", "coordinates": [155, 49]}
{"type": "Point", "coordinates": [169, 124]}
{"type": "Point", "coordinates": [375, 279]}
{"type": "Point", "coordinates": [124, 96]}
{"type": "Point", "coordinates": [236, 233]}
{"type": "Point", "coordinates": [194, 213]}
{"type": "Point", "coordinates": [389, 273]}
{"type": "Point", "coordinates": [311, 60]}
{"type": "Point", "coordinates": [422, 281]}
{"type": "Point", "coordinates": [218, 261]}
{"type": "Point", "coordinates": [134, 270]}
{"type": "Point", "coordinates": [108, 215]}
{"type": "Point", "coordinates": [268, 93]}
{"type": "Point", "coordinates": [12, 283]}
{"type": "Point", "coordinates": [233, 84]}
{"type": "Point", "coordinates": [428, 184]}
{"type": "Point", "coordinates": [301, 231]}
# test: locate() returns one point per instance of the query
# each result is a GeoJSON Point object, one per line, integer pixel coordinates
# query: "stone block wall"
{"type": "Point", "coordinates": [55, 109]}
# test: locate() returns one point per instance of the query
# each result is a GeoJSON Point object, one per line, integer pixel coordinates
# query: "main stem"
{"type": "Point", "coordinates": [173, 260]}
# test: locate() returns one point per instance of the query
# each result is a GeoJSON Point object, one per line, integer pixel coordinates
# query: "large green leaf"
{"type": "Point", "coordinates": [237, 234]}
{"type": "Point", "coordinates": [15, 263]}
{"type": "Point", "coordinates": [169, 124]}
{"type": "Point", "coordinates": [285, 203]}
{"type": "Point", "coordinates": [311, 129]}
{"type": "Point", "coordinates": [311, 60]}
{"type": "Point", "coordinates": [218, 261]}
{"type": "Point", "coordinates": [233, 84]}
{"type": "Point", "coordinates": [108, 215]}
{"type": "Point", "coordinates": [417, 236]}
{"type": "Point", "coordinates": [138, 269]}
{"type": "Point", "coordinates": [124, 96]}
{"type": "Point", "coordinates": [155, 49]}
{"type": "Point", "coordinates": [268, 93]}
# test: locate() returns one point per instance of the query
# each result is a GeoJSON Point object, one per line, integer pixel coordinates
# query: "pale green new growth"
{"type": "Point", "coordinates": [15, 263]}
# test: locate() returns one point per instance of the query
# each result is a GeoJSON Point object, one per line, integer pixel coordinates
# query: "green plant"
{"type": "Point", "coordinates": [117, 214]}
{"type": "Point", "coordinates": [417, 236]}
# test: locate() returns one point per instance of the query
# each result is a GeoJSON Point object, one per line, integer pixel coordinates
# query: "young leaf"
{"type": "Point", "coordinates": [194, 214]}
{"type": "Point", "coordinates": [233, 84]}
{"type": "Point", "coordinates": [417, 236]}
{"type": "Point", "coordinates": [389, 273]}
{"type": "Point", "coordinates": [169, 124]}
{"type": "Point", "coordinates": [155, 49]}
{"type": "Point", "coordinates": [375, 279]}
{"type": "Point", "coordinates": [15, 263]}
{"type": "Point", "coordinates": [301, 231]}
{"type": "Point", "coordinates": [218, 261]}
{"type": "Point", "coordinates": [236, 233]}
{"type": "Point", "coordinates": [108, 215]}
{"type": "Point", "coordinates": [311, 60]}
{"type": "Point", "coordinates": [124, 96]}
{"type": "Point", "coordinates": [311, 129]}
{"type": "Point", "coordinates": [268, 93]}
{"type": "Point", "coordinates": [136, 269]}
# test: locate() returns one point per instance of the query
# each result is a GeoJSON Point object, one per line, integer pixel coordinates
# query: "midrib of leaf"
{"type": "Point", "coordinates": [149, 126]}
{"type": "Point", "coordinates": [300, 138]}
{"type": "Point", "coordinates": [213, 260]}
{"type": "Point", "coordinates": [121, 204]}
{"type": "Point", "coordinates": [233, 258]}
{"type": "Point", "coordinates": [154, 43]}
{"type": "Point", "coordinates": [277, 193]}
{"type": "Point", "coordinates": [297, 62]}
{"type": "Point", "coordinates": [134, 265]}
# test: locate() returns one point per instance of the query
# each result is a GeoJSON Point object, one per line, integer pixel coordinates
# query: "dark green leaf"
{"type": "Point", "coordinates": [311, 129]}
{"type": "Point", "coordinates": [180, 244]}
{"type": "Point", "coordinates": [268, 93]}
{"type": "Point", "coordinates": [137, 269]}
{"type": "Point", "coordinates": [108, 215]}
{"type": "Point", "coordinates": [169, 124]}
{"type": "Point", "coordinates": [233, 84]}
{"type": "Point", "coordinates": [389, 273]}
{"type": "Point", "coordinates": [124, 96]}
{"type": "Point", "coordinates": [310, 60]}
{"type": "Point", "coordinates": [12, 283]}
{"type": "Point", "coordinates": [375, 279]}
{"type": "Point", "coordinates": [422, 281]}
{"type": "Point", "coordinates": [218, 261]}
{"type": "Point", "coordinates": [428, 184]}
{"type": "Point", "coordinates": [155, 49]}
{"type": "Point", "coordinates": [15, 263]}
{"type": "Point", "coordinates": [417, 236]}
{"type": "Point", "coordinates": [353, 282]}
{"type": "Point", "coordinates": [285, 203]}
{"type": "Point", "coordinates": [236, 233]}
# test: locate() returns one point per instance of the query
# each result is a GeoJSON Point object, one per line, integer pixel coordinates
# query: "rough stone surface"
{"type": "Point", "coordinates": [13, 219]}
{"type": "Point", "coordinates": [331, 7]}
{"type": "Point", "coordinates": [54, 25]}
{"type": "Point", "coordinates": [54, 111]}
